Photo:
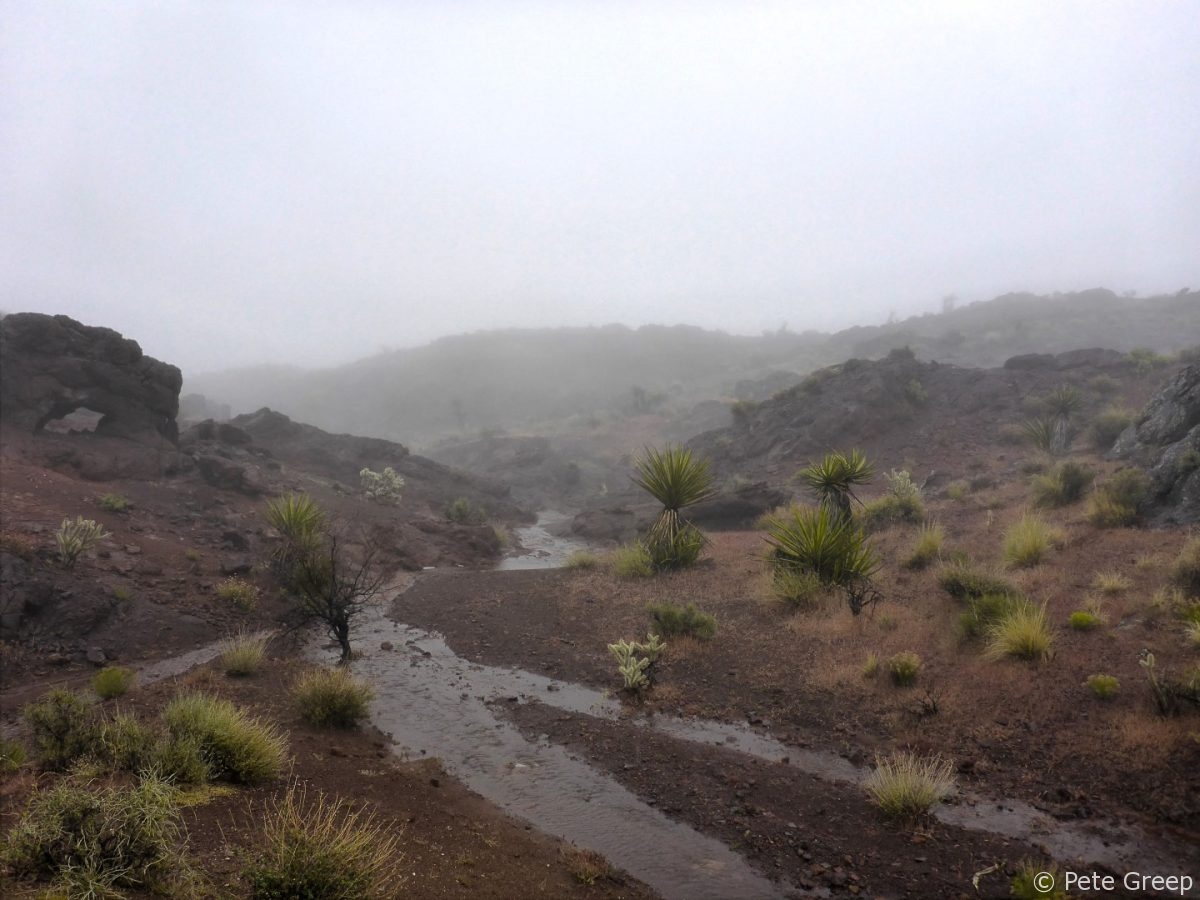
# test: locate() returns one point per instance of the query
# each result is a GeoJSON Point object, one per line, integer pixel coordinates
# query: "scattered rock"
{"type": "Point", "coordinates": [236, 566]}
{"type": "Point", "coordinates": [95, 655]}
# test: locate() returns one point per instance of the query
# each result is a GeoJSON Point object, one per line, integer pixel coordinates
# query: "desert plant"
{"type": "Point", "coordinates": [984, 611]}
{"type": "Point", "coordinates": [125, 743]}
{"type": "Point", "coordinates": [1050, 436]}
{"type": "Point", "coordinates": [1185, 572]}
{"type": "Point", "coordinates": [297, 517]}
{"type": "Point", "coordinates": [669, 619]}
{"type": "Point", "coordinates": [463, 511]}
{"type": "Point", "coordinates": [927, 546]}
{"type": "Point", "coordinates": [582, 560]}
{"type": "Point", "coordinates": [1111, 582]}
{"type": "Point", "coordinates": [321, 849]}
{"type": "Point", "coordinates": [331, 587]}
{"type": "Point", "coordinates": [1084, 620]}
{"type": "Point", "coordinates": [1107, 427]}
{"type": "Point", "coordinates": [237, 746]}
{"type": "Point", "coordinates": [1031, 883]}
{"type": "Point", "coordinates": [12, 756]}
{"type": "Point", "coordinates": [677, 480]}
{"type": "Point", "coordinates": [1146, 360]}
{"type": "Point", "coordinates": [586, 866]}
{"type": "Point", "coordinates": [1103, 686]}
{"type": "Point", "coordinates": [1064, 401]}
{"type": "Point", "coordinates": [383, 485]}
{"type": "Point", "coordinates": [915, 392]}
{"type": "Point", "coordinates": [240, 593]}
{"type": "Point", "coordinates": [834, 478]}
{"type": "Point", "coordinates": [1028, 540]}
{"type": "Point", "coordinates": [332, 698]}
{"type": "Point", "coordinates": [905, 786]}
{"type": "Point", "coordinates": [1023, 632]}
{"type": "Point", "coordinates": [64, 727]}
{"type": "Point", "coordinates": [76, 538]}
{"type": "Point", "coordinates": [242, 654]}
{"type": "Point", "coordinates": [1118, 501]}
{"type": "Point", "coordinates": [94, 841]}
{"type": "Point", "coordinates": [631, 561]}
{"type": "Point", "coordinates": [635, 661]}
{"type": "Point", "coordinates": [1062, 485]}
{"type": "Point", "coordinates": [114, 503]}
{"type": "Point", "coordinates": [796, 589]}
{"type": "Point", "coordinates": [871, 665]}
{"type": "Point", "coordinates": [821, 543]}
{"type": "Point", "coordinates": [961, 580]}
{"type": "Point", "coordinates": [179, 759]}
{"type": "Point", "coordinates": [903, 667]}
{"type": "Point", "coordinates": [113, 681]}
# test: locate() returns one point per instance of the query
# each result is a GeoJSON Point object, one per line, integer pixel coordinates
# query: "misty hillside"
{"type": "Point", "coordinates": [525, 378]}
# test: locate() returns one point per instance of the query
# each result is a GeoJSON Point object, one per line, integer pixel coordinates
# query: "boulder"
{"type": "Point", "coordinates": [737, 509]}
{"type": "Point", "coordinates": [53, 366]}
{"type": "Point", "coordinates": [231, 476]}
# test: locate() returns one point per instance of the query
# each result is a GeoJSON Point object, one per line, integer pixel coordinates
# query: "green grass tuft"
{"type": "Point", "coordinates": [1028, 541]}
{"type": "Point", "coordinates": [12, 756]}
{"type": "Point", "coordinates": [927, 547]}
{"type": "Point", "coordinates": [1024, 633]}
{"type": "Point", "coordinates": [905, 787]}
{"type": "Point", "coordinates": [582, 560]}
{"type": "Point", "coordinates": [242, 654]}
{"type": "Point", "coordinates": [903, 667]}
{"type": "Point", "coordinates": [963, 581]}
{"type": "Point", "coordinates": [332, 698]}
{"type": "Point", "coordinates": [1103, 686]}
{"type": "Point", "coordinates": [113, 681]}
{"type": "Point", "coordinates": [669, 620]}
{"type": "Point", "coordinates": [1062, 485]}
{"type": "Point", "coordinates": [1185, 572]}
{"type": "Point", "coordinates": [115, 503]}
{"type": "Point", "coordinates": [1084, 620]}
{"type": "Point", "coordinates": [631, 561]}
{"type": "Point", "coordinates": [237, 746]}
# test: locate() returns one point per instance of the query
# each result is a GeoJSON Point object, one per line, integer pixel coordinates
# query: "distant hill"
{"type": "Point", "coordinates": [528, 379]}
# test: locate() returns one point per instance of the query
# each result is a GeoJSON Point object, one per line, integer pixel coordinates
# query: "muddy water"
{"type": "Point", "coordinates": [543, 547]}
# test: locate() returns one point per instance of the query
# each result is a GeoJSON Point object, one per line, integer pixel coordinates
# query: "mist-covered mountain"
{"type": "Point", "coordinates": [517, 379]}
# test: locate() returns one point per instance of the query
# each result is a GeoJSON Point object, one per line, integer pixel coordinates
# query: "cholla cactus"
{"type": "Point", "coordinates": [901, 486]}
{"type": "Point", "coordinates": [74, 538]}
{"type": "Point", "coordinates": [635, 669]}
{"type": "Point", "coordinates": [383, 485]}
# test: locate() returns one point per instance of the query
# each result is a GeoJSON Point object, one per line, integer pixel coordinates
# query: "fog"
{"type": "Point", "coordinates": [234, 183]}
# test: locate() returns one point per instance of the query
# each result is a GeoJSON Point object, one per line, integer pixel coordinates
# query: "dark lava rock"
{"type": "Point", "coordinates": [737, 509]}
{"type": "Point", "coordinates": [228, 475]}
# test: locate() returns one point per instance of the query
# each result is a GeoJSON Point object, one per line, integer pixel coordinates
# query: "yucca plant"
{"type": "Point", "coordinates": [820, 542]}
{"type": "Point", "coordinates": [834, 478]}
{"type": "Point", "coordinates": [1050, 436]}
{"type": "Point", "coordinates": [297, 517]}
{"type": "Point", "coordinates": [677, 479]}
{"type": "Point", "coordinates": [1064, 401]}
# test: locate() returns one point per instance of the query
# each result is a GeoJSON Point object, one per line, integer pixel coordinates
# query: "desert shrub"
{"type": "Point", "coordinates": [631, 561]}
{"type": "Point", "coordinates": [64, 727]}
{"type": "Point", "coordinates": [463, 511]}
{"type": "Point", "coordinates": [1191, 630]}
{"type": "Point", "coordinates": [321, 849]}
{"type": "Point", "coordinates": [383, 485]}
{"type": "Point", "coordinates": [113, 681]}
{"type": "Point", "coordinates": [903, 667]}
{"type": "Point", "coordinates": [1064, 401]}
{"type": "Point", "coordinates": [957, 490]}
{"type": "Point", "coordinates": [1062, 485]}
{"type": "Point", "coordinates": [1026, 885]}
{"type": "Point", "coordinates": [582, 559]}
{"type": "Point", "coordinates": [298, 517]}
{"type": "Point", "coordinates": [125, 743]}
{"type": "Point", "coordinates": [677, 479]}
{"type": "Point", "coordinates": [1119, 500]}
{"type": "Point", "coordinates": [962, 580]}
{"type": "Point", "coordinates": [76, 538]}
{"type": "Point", "coordinates": [818, 542]}
{"type": "Point", "coordinates": [1104, 385]}
{"type": "Point", "coordinates": [115, 503]}
{"type": "Point", "coordinates": [586, 866]}
{"type": "Point", "coordinates": [905, 786]}
{"type": "Point", "coordinates": [237, 746]}
{"type": "Point", "coordinates": [503, 536]}
{"type": "Point", "coordinates": [1024, 632]}
{"type": "Point", "coordinates": [12, 756]}
{"type": "Point", "coordinates": [94, 841]}
{"type": "Point", "coordinates": [332, 698]}
{"type": "Point", "coordinates": [1050, 436]}
{"type": "Point", "coordinates": [1185, 572]}
{"type": "Point", "coordinates": [1111, 582]}
{"type": "Point", "coordinates": [1107, 427]}
{"type": "Point", "coordinates": [1084, 620]}
{"type": "Point", "coordinates": [681, 551]}
{"type": "Point", "coordinates": [871, 665]}
{"type": "Point", "coordinates": [984, 611]}
{"type": "Point", "coordinates": [834, 478]}
{"type": "Point", "coordinates": [796, 589]}
{"type": "Point", "coordinates": [902, 502]}
{"type": "Point", "coordinates": [239, 592]}
{"type": "Point", "coordinates": [1103, 686]}
{"type": "Point", "coordinates": [17, 544]}
{"type": "Point", "coordinates": [242, 654]}
{"type": "Point", "coordinates": [668, 620]}
{"type": "Point", "coordinates": [179, 759]}
{"type": "Point", "coordinates": [1028, 540]}
{"type": "Point", "coordinates": [915, 392]}
{"type": "Point", "coordinates": [1146, 360]}
{"type": "Point", "coordinates": [927, 547]}
{"type": "Point", "coordinates": [635, 661]}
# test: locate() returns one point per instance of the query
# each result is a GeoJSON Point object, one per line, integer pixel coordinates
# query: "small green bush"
{"type": "Point", "coordinates": [96, 841]}
{"type": "Point", "coordinates": [631, 561]}
{"type": "Point", "coordinates": [796, 589]}
{"type": "Point", "coordinates": [384, 486]}
{"type": "Point", "coordinates": [1103, 686]}
{"type": "Point", "coordinates": [242, 654]}
{"type": "Point", "coordinates": [1145, 360]}
{"type": "Point", "coordinates": [902, 502]}
{"type": "Point", "coordinates": [957, 490]}
{"type": "Point", "coordinates": [1105, 385]}
{"type": "Point", "coordinates": [115, 503]}
{"type": "Point", "coordinates": [237, 746]}
{"type": "Point", "coordinates": [904, 667]}
{"type": "Point", "coordinates": [1119, 501]}
{"type": "Point", "coordinates": [1062, 485]}
{"type": "Point", "coordinates": [241, 594]}
{"type": "Point", "coordinates": [582, 560]}
{"type": "Point", "coordinates": [463, 511]}
{"type": "Point", "coordinates": [12, 756]}
{"type": "Point", "coordinates": [915, 392]}
{"type": "Point", "coordinates": [76, 538]}
{"type": "Point", "coordinates": [332, 698]}
{"type": "Point", "coordinates": [870, 667]}
{"type": "Point", "coordinates": [125, 743]}
{"type": "Point", "coordinates": [984, 612]}
{"type": "Point", "coordinates": [669, 620]}
{"type": "Point", "coordinates": [905, 787]}
{"type": "Point", "coordinates": [963, 581]}
{"type": "Point", "coordinates": [113, 681]}
{"type": "Point", "coordinates": [1185, 572]}
{"type": "Point", "coordinates": [927, 547]}
{"type": "Point", "coordinates": [1028, 541]}
{"type": "Point", "coordinates": [179, 759]}
{"type": "Point", "coordinates": [64, 729]}
{"type": "Point", "coordinates": [1084, 620]}
{"type": "Point", "coordinates": [1107, 427]}
{"type": "Point", "coordinates": [1024, 633]}
{"type": "Point", "coordinates": [320, 849]}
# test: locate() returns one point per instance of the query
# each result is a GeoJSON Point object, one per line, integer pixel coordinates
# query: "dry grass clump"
{"type": "Point", "coordinates": [905, 786]}
{"type": "Point", "coordinates": [1062, 485]}
{"type": "Point", "coordinates": [1107, 427]}
{"type": "Point", "coordinates": [1025, 884]}
{"type": "Point", "coordinates": [237, 746]}
{"type": "Point", "coordinates": [871, 665]}
{"type": "Point", "coordinates": [982, 613]}
{"type": "Point", "coordinates": [1185, 573]}
{"type": "Point", "coordinates": [320, 848]}
{"type": "Point", "coordinates": [1118, 501]}
{"type": "Point", "coordinates": [113, 681]}
{"type": "Point", "coordinates": [242, 654]}
{"type": "Point", "coordinates": [586, 866]}
{"type": "Point", "coordinates": [963, 581]}
{"type": "Point", "coordinates": [333, 697]}
{"type": "Point", "coordinates": [1111, 582]}
{"type": "Point", "coordinates": [795, 588]}
{"type": "Point", "coordinates": [1024, 633]}
{"type": "Point", "coordinates": [927, 547]}
{"type": "Point", "coordinates": [631, 561]}
{"type": "Point", "coordinates": [240, 593]}
{"type": "Point", "coordinates": [903, 667]}
{"type": "Point", "coordinates": [582, 560]}
{"type": "Point", "coordinates": [1028, 541]}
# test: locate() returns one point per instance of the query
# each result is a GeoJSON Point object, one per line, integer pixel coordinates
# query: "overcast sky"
{"type": "Point", "coordinates": [306, 181]}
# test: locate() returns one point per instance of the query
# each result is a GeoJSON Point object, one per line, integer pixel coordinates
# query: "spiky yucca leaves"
{"type": "Point", "coordinates": [820, 542]}
{"type": "Point", "coordinates": [1064, 401]}
{"type": "Point", "coordinates": [676, 479]}
{"type": "Point", "coordinates": [301, 522]}
{"type": "Point", "coordinates": [833, 479]}
{"type": "Point", "coordinates": [1050, 436]}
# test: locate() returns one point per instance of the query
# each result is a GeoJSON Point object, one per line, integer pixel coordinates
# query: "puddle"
{"type": "Point", "coordinates": [542, 549]}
